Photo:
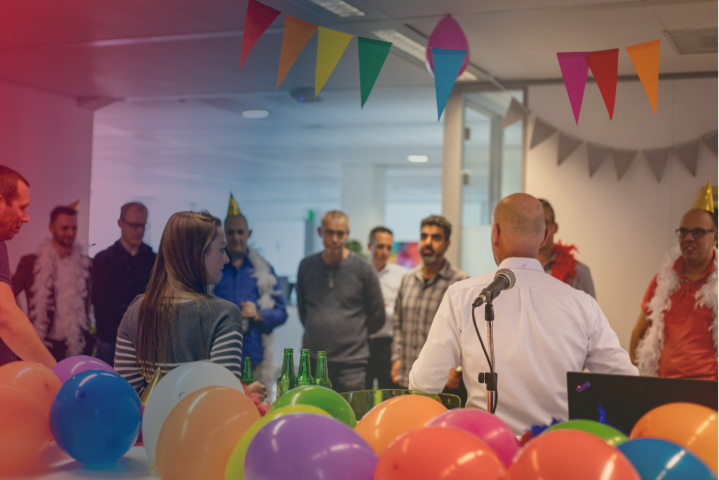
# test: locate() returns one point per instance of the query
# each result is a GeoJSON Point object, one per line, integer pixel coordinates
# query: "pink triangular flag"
{"type": "Point", "coordinates": [257, 19]}
{"type": "Point", "coordinates": [574, 71]}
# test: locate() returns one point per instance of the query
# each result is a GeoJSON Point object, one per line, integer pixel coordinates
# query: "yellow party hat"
{"type": "Point", "coordinates": [74, 205]}
{"type": "Point", "coordinates": [705, 200]}
{"type": "Point", "coordinates": [156, 377]}
{"type": "Point", "coordinates": [233, 210]}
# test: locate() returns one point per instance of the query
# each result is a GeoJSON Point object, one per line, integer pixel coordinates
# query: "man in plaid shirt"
{"type": "Point", "coordinates": [420, 294]}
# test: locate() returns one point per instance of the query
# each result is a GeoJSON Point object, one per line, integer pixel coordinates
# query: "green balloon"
{"type": "Point", "coordinates": [320, 397]}
{"type": "Point", "coordinates": [236, 463]}
{"type": "Point", "coordinates": [610, 435]}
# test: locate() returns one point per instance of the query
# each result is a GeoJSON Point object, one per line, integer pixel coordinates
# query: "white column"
{"type": "Point", "coordinates": [364, 191]}
{"type": "Point", "coordinates": [452, 149]}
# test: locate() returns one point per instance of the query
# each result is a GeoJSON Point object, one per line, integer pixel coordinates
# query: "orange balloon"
{"type": "Point", "coordinates": [393, 417]}
{"type": "Point", "coordinates": [439, 452]}
{"type": "Point", "coordinates": [24, 429]}
{"type": "Point", "coordinates": [688, 424]}
{"type": "Point", "coordinates": [569, 455]}
{"type": "Point", "coordinates": [36, 379]}
{"type": "Point", "coordinates": [198, 436]}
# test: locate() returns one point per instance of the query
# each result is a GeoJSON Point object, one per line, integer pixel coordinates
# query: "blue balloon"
{"type": "Point", "coordinates": [95, 417]}
{"type": "Point", "coordinates": [657, 459]}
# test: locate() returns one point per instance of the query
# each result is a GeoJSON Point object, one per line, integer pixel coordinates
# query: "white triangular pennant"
{"type": "Point", "coordinates": [657, 160]}
{"type": "Point", "coordinates": [623, 159]}
{"type": "Point", "coordinates": [515, 113]}
{"type": "Point", "coordinates": [596, 154]}
{"type": "Point", "coordinates": [688, 155]}
{"type": "Point", "coordinates": [542, 131]}
{"type": "Point", "coordinates": [567, 145]}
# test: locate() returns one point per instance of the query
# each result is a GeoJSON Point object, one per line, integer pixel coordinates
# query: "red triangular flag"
{"type": "Point", "coordinates": [257, 19]}
{"type": "Point", "coordinates": [603, 64]}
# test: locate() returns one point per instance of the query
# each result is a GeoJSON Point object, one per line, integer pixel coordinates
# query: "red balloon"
{"type": "Point", "coordinates": [436, 452]}
{"type": "Point", "coordinates": [447, 34]}
{"type": "Point", "coordinates": [568, 455]}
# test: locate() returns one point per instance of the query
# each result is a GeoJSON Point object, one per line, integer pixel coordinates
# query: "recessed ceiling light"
{"type": "Point", "coordinates": [467, 77]}
{"type": "Point", "coordinates": [255, 114]}
{"type": "Point", "coordinates": [339, 8]}
{"type": "Point", "coordinates": [403, 42]}
{"type": "Point", "coordinates": [418, 158]}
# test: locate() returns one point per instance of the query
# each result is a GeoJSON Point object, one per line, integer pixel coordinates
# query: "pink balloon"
{"type": "Point", "coordinates": [485, 426]}
{"type": "Point", "coordinates": [447, 34]}
{"type": "Point", "coordinates": [71, 366]}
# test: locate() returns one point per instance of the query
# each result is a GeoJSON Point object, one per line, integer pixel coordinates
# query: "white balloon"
{"type": "Point", "coordinates": [175, 386]}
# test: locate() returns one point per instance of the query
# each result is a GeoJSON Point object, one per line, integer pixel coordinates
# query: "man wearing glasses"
{"type": "Point", "coordinates": [119, 274]}
{"type": "Point", "coordinates": [676, 335]}
{"type": "Point", "coordinates": [340, 303]}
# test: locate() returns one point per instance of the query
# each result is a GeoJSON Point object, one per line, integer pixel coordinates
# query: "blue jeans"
{"type": "Point", "coordinates": [106, 352]}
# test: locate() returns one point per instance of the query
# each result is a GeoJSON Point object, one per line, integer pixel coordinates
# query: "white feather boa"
{"type": "Point", "coordinates": [60, 285]}
{"type": "Point", "coordinates": [264, 372]}
{"type": "Point", "coordinates": [650, 347]}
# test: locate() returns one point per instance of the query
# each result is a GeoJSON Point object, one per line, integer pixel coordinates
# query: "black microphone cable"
{"type": "Point", "coordinates": [491, 367]}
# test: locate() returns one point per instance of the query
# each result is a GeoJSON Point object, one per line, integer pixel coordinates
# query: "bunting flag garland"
{"type": "Point", "coordinates": [688, 155]}
{"type": "Point", "coordinates": [542, 131]}
{"type": "Point", "coordinates": [597, 154]}
{"type": "Point", "coordinates": [574, 72]}
{"type": "Point", "coordinates": [330, 48]}
{"type": "Point", "coordinates": [294, 39]}
{"type": "Point", "coordinates": [604, 65]}
{"type": "Point", "coordinates": [657, 160]}
{"type": "Point", "coordinates": [710, 140]}
{"type": "Point", "coordinates": [515, 113]}
{"type": "Point", "coordinates": [623, 159]}
{"type": "Point", "coordinates": [257, 19]}
{"type": "Point", "coordinates": [447, 64]}
{"type": "Point", "coordinates": [567, 145]}
{"type": "Point", "coordinates": [372, 54]}
{"type": "Point", "coordinates": [645, 57]}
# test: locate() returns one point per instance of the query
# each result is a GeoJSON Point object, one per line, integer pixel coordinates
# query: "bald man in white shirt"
{"type": "Point", "coordinates": [543, 329]}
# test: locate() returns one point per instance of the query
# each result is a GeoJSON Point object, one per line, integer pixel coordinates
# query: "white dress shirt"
{"type": "Point", "coordinates": [390, 278]}
{"type": "Point", "coordinates": [543, 329]}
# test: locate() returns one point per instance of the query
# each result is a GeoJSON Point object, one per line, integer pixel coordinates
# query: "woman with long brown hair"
{"type": "Point", "coordinates": [177, 320]}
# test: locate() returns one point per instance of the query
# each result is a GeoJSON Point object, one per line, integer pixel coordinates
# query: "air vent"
{"type": "Point", "coordinates": [703, 40]}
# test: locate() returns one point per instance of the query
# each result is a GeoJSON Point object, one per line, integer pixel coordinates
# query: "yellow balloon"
{"type": "Point", "coordinates": [235, 466]}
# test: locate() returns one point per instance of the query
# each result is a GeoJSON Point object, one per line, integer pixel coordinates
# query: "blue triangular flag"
{"type": "Point", "coordinates": [447, 63]}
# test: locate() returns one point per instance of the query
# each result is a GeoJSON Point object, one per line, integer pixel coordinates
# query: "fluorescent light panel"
{"type": "Point", "coordinates": [418, 158]}
{"type": "Point", "coordinates": [255, 114]}
{"type": "Point", "coordinates": [339, 8]}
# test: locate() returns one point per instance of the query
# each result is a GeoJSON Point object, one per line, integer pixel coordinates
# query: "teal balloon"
{"type": "Point", "coordinates": [657, 459]}
{"type": "Point", "coordinates": [320, 397]}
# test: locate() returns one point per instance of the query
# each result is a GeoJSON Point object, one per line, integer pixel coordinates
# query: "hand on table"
{"type": "Point", "coordinates": [455, 378]}
{"type": "Point", "coordinates": [259, 389]}
{"type": "Point", "coordinates": [395, 371]}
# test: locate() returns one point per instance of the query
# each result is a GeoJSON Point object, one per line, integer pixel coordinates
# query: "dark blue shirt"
{"type": "Point", "coordinates": [6, 355]}
{"type": "Point", "coordinates": [237, 286]}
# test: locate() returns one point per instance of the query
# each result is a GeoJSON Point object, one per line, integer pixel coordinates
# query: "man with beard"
{"type": "Point", "coordinates": [56, 280]}
{"type": "Point", "coordinates": [249, 282]}
{"type": "Point", "coordinates": [420, 294]}
{"type": "Point", "coordinates": [676, 334]}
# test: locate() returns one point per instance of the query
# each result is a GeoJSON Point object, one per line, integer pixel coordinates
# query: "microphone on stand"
{"type": "Point", "coordinates": [503, 280]}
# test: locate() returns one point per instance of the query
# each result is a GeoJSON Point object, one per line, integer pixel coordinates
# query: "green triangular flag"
{"type": "Point", "coordinates": [372, 54]}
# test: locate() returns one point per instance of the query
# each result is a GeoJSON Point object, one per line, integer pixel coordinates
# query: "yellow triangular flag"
{"type": "Point", "coordinates": [74, 205]}
{"type": "Point", "coordinates": [232, 209]}
{"type": "Point", "coordinates": [330, 47]}
{"type": "Point", "coordinates": [705, 200]}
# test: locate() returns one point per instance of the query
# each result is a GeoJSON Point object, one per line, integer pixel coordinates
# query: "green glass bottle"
{"type": "Point", "coordinates": [287, 379]}
{"type": "Point", "coordinates": [322, 377]}
{"type": "Point", "coordinates": [304, 374]}
{"type": "Point", "coordinates": [247, 371]}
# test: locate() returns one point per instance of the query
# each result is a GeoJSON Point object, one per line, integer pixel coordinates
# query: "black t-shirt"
{"type": "Point", "coordinates": [6, 355]}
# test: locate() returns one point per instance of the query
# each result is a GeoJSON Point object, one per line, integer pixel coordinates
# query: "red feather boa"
{"type": "Point", "coordinates": [564, 264]}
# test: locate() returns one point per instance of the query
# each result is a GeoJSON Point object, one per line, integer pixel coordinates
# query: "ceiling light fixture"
{"type": "Point", "coordinates": [339, 8]}
{"type": "Point", "coordinates": [467, 77]}
{"type": "Point", "coordinates": [401, 41]}
{"type": "Point", "coordinates": [418, 158]}
{"type": "Point", "coordinates": [255, 114]}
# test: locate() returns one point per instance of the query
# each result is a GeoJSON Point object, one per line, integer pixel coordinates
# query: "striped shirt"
{"type": "Point", "coordinates": [416, 305]}
{"type": "Point", "coordinates": [215, 335]}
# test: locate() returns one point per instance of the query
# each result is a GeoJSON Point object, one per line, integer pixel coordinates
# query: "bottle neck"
{"type": "Point", "coordinates": [304, 366]}
{"type": "Point", "coordinates": [321, 368]}
{"type": "Point", "coordinates": [288, 365]}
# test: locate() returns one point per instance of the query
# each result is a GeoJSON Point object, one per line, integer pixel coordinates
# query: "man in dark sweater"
{"type": "Point", "coordinates": [119, 274]}
{"type": "Point", "coordinates": [340, 303]}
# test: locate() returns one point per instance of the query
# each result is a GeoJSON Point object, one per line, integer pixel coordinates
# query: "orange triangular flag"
{"type": "Point", "coordinates": [645, 57]}
{"type": "Point", "coordinates": [296, 35]}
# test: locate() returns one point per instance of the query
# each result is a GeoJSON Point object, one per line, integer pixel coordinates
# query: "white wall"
{"type": "Point", "coordinates": [48, 139]}
{"type": "Point", "coordinates": [623, 228]}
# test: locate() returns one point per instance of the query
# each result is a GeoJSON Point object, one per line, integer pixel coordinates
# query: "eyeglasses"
{"type": "Point", "coordinates": [334, 233]}
{"type": "Point", "coordinates": [696, 233]}
{"type": "Point", "coordinates": [135, 225]}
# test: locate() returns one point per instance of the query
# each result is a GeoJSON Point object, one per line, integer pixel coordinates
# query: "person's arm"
{"type": "Point", "coordinates": [125, 363]}
{"type": "Point", "coordinates": [396, 352]}
{"type": "Point", "coordinates": [376, 315]}
{"type": "Point", "coordinates": [227, 342]}
{"type": "Point", "coordinates": [300, 289]}
{"type": "Point", "coordinates": [18, 333]}
{"type": "Point", "coordinates": [604, 353]}
{"type": "Point", "coordinates": [22, 275]}
{"type": "Point", "coordinates": [441, 353]}
{"type": "Point", "coordinates": [276, 316]}
{"type": "Point", "coordinates": [584, 280]}
{"type": "Point", "coordinates": [637, 334]}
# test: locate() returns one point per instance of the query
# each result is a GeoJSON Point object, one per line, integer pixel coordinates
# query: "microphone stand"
{"type": "Point", "coordinates": [490, 380]}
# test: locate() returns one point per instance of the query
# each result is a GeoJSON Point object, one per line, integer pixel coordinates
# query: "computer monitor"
{"type": "Point", "coordinates": [623, 399]}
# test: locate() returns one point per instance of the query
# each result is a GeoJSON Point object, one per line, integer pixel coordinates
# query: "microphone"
{"type": "Point", "coordinates": [503, 280]}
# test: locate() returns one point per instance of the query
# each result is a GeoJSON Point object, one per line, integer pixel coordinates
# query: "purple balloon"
{"type": "Point", "coordinates": [305, 446]}
{"type": "Point", "coordinates": [484, 425]}
{"type": "Point", "coordinates": [71, 366]}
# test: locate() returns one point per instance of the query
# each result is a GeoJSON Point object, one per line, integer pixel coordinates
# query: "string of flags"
{"type": "Point", "coordinates": [657, 158]}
